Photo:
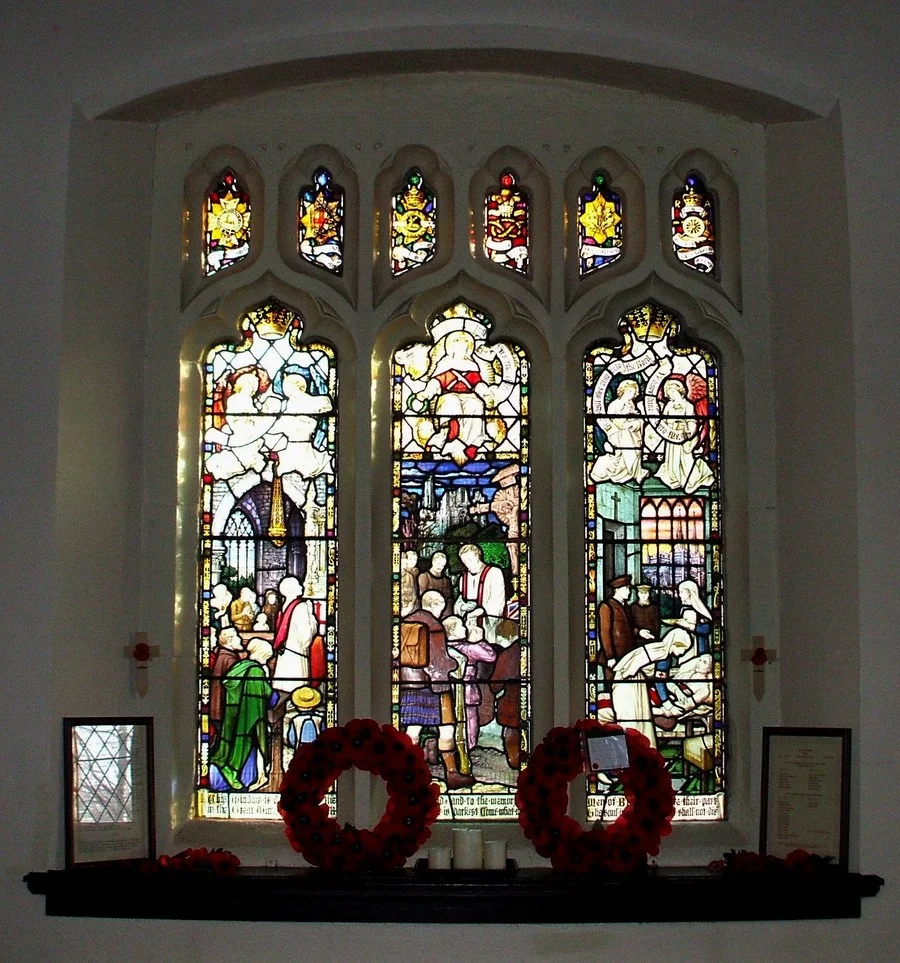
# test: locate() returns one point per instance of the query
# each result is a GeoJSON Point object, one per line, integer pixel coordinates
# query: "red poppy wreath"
{"type": "Point", "coordinates": [412, 798]}
{"type": "Point", "coordinates": [542, 798]}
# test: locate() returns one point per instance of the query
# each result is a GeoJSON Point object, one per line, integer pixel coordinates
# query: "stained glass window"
{"type": "Point", "coordinates": [413, 224]}
{"type": "Point", "coordinates": [320, 223]}
{"type": "Point", "coordinates": [693, 226]}
{"type": "Point", "coordinates": [600, 226]}
{"type": "Point", "coordinates": [460, 645]}
{"type": "Point", "coordinates": [226, 223]}
{"type": "Point", "coordinates": [654, 622]}
{"type": "Point", "coordinates": [506, 227]}
{"type": "Point", "coordinates": [268, 560]}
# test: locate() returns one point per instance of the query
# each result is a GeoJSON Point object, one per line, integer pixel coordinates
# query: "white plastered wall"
{"type": "Point", "coordinates": [72, 595]}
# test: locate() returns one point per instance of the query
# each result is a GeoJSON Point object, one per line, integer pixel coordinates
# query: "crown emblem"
{"type": "Point", "coordinates": [650, 322]}
{"type": "Point", "coordinates": [271, 320]}
{"type": "Point", "coordinates": [461, 317]}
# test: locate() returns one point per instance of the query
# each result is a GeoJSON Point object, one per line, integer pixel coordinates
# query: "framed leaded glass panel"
{"type": "Point", "coordinates": [460, 641]}
{"type": "Point", "coordinates": [654, 564]}
{"type": "Point", "coordinates": [109, 790]}
{"type": "Point", "coordinates": [268, 560]}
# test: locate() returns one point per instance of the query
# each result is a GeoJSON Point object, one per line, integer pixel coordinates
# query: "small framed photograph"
{"type": "Point", "coordinates": [806, 792]}
{"type": "Point", "coordinates": [109, 790]}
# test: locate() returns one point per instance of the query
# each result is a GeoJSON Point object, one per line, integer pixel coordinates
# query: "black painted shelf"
{"type": "Point", "coordinates": [407, 896]}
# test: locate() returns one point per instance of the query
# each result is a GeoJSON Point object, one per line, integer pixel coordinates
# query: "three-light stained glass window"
{"type": "Point", "coordinates": [653, 552]}
{"type": "Point", "coordinates": [600, 226]}
{"type": "Point", "coordinates": [413, 224]}
{"type": "Point", "coordinates": [460, 642]}
{"type": "Point", "coordinates": [693, 226]}
{"type": "Point", "coordinates": [320, 222]}
{"type": "Point", "coordinates": [506, 225]}
{"type": "Point", "coordinates": [226, 223]}
{"type": "Point", "coordinates": [267, 642]}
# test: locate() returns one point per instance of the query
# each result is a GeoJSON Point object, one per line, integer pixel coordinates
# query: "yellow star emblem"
{"type": "Point", "coordinates": [229, 218]}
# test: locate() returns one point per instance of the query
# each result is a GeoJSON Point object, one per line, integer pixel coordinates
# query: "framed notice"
{"type": "Point", "coordinates": [805, 792]}
{"type": "Point", "coordinates": [109, 790]}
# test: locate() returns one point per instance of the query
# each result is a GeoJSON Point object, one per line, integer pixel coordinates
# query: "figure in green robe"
{"type": "Point", "coordinates": [244, 727]}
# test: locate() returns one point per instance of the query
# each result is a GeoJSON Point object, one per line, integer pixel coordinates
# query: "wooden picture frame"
{"type": "Point", "coordinates": [109, 790]}
{"type": "Point", "coordinates": [805, 792]}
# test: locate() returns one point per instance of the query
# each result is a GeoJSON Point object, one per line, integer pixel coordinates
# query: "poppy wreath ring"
{"type": "Point", "coordinates": [412, 798]}
{"type": "Point", "coordinates": [542, 798]}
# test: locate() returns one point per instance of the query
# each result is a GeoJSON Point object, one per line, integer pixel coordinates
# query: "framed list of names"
{"type": "Point", "coordinates": [805, 792]}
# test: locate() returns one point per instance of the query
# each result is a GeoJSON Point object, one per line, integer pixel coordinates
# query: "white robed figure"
{"type": "Point", "coordinates": [680, 429]}
{"type": "Point", "coordinates": [298, 437]}
{"type": "Point", "coordinates": [460, 394]}
{"type": "Point", "coordinates": [621, 460]}
{"type": "Point", "coordinates": [632, 676]}
{"type": "Point", "coordinates": [240, 424]}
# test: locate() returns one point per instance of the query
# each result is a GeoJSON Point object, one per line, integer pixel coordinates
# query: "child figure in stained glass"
{"type": "Point", "coordinates": [426, 696]}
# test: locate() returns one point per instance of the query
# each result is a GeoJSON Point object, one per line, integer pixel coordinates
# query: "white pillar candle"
{"type": "Point", "coordinates": [495, 854]}
{"type": "Point", "coordinates": [439, 857]}
{"type": "Point", "coordinates": [468, 848]}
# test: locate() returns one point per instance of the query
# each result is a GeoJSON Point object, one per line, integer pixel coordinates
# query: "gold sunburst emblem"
{"type": "Point", "coordinates": [229, 219]}
{"type": "Point", "coordinates": [320, 219]}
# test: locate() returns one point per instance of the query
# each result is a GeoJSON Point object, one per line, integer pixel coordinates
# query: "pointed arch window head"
{"type": "Point", "coordinates": [413, 224]}
{"type": "Point", "coordinates": [506, 225]}
{"type": "Point", "coordinates": [652, 467]}
{"type": "Point", "coordinates": [693, 226]}
{"type": "Point", "coordinates": [320, 223]}
{"type": "Point", "coordinates": [461, 650]}
{"type": "Point", "coordinates": [600, 226]}
{"type": "Point", "coordinates": [267, 645]}
{"type": "Point", "coordinates": [226, 223]}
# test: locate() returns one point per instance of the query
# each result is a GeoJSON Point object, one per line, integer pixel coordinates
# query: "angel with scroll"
{"type": "Point", "coordinates": [684, 429]}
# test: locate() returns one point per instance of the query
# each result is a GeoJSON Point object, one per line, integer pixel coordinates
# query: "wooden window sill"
{"type": "Point", "coordinates": [405, 896]}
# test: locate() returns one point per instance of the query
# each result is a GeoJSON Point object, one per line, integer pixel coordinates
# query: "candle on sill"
{"type": "Point", "coordinates": [439, 857]}
{"type": "Point", "coordinates": [468, 848]}
{"type": "Point", "coordinates": [495, 854]}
